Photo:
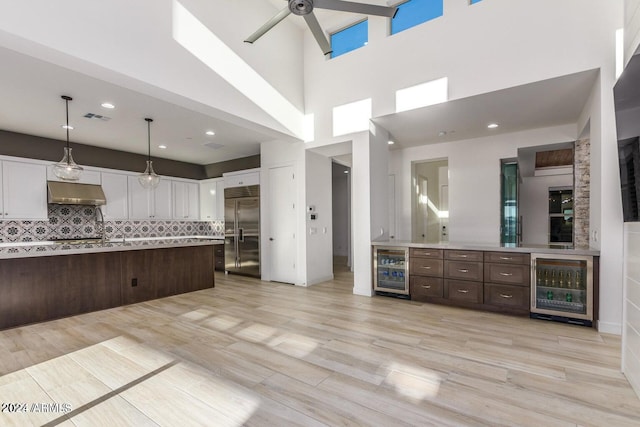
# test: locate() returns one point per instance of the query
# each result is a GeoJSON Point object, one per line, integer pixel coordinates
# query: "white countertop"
{"type": "Point", "coordinates": [51, 248]}
{"type": "Point", "coordinates": [544, 249]}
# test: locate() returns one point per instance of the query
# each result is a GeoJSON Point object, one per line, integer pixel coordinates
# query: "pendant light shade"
{"type": "Point", "coordinates": [149, 179]}
{"type": "Point", "coordinates": [66, 169]}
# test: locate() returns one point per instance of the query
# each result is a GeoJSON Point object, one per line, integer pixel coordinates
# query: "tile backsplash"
{"type": "Point", "coordinates": [74, 222]}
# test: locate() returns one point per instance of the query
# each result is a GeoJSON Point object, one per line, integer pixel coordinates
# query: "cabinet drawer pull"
{"type": "Point", "coordinates": [506, 296]}
{"type": "Point", "coordinates": [463, 291]}
{"type": "Point", "coordinates": [426, 286]}
{"type": "Point", "coordinates": [508, 258]}
{"type": "Point", "coordinates": [460, 256]}
{"type": "Point", "coordinates": [463, 270]}
{"type": "Point", "coordinates": [426, 267]}
{"type": "Point", "coordinates": [506, 274]}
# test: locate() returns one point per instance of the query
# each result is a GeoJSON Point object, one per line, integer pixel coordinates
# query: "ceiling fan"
{"type": "Point", "coordinates": [305, 8]}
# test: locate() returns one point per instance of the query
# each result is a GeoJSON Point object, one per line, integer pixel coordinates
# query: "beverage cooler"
{"type": "Point", "coordinates": [562, 288]}
{"type": "Point", "coordinates": [391, 267]}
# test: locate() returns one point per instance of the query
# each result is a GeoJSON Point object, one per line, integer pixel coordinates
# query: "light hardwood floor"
{"type": "Point", "coordinates": [268, 354]}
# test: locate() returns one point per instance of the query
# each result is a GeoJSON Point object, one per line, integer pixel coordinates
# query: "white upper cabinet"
{"type": "Point", "coordinates": [149, 204]}
{"type": "Point", "coordinates": [212, 199]}
{"type": "Point", "coordinates": [24, 191]}
{"type": "Point", "coordinates": [87, 176]}
{"type": "Point", "coordinates": [242, 178]}
{"type": "Point", "coordinates": [116, 191]}
{"type": "Point", "coordinates": [185, 200]}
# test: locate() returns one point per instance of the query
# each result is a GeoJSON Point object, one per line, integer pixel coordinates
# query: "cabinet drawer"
{"type": "Point", "coordinates": [425, 253]}
{"type": "Point", "coordinates": [422, 286]}
{"type": "Point", "coordinates": [463, 270]}
{"type": "Point", "coordinates": [426, 266]}
{"type": "Point", "coordinates": [512, 274]}
{"type": "Point", "coordinates": [505, 295]}
{"type": "Point", "coordinates": [507, 258]}
{"type": "Point", "coordinates": [464, 255]}
{"type": "Point", "coordinates": [462, 290]}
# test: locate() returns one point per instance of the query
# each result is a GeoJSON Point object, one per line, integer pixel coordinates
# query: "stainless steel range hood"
{"type": "Point", "coordinates": [68, 193]}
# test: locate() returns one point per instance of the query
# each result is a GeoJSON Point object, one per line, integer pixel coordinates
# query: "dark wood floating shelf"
{"type": "Point", "coordinates": [44, 288]}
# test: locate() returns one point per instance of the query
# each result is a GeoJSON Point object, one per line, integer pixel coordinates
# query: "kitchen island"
{"type": "Point", "coordinates": [547, 282]}
{"type": "Point", "coordinates": [42, 281]}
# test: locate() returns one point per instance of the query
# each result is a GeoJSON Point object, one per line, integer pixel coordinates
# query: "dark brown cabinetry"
{"type": "Point", "coordinates": [425, 274]}
{"type": "Point", "coordinates": [51, 287]}
{"type": "Point", "coordinates": [507, 281]}
{"type": "Point", "coordinates": [496, 281]}
{"type": "Point", "coordinates": [218, 251]}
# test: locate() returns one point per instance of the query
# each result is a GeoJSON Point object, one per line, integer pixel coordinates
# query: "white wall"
{"type": "Point", "coordinates": [631, 327]}
{"type": "Point", "coordinates": [319, 231]}
{"type": "Point", "coordinates": [631, 27]}
{"type": "Point", "coordinates": [474, 179]}
{"type": "Point", "coordinates": [361, 214]}
{"type": "Point", "coordinates": [481, 48]}
{"type": "Point", "coordinates": [379, 176]}
{"type": "Point", "coordinates": [534, 206]}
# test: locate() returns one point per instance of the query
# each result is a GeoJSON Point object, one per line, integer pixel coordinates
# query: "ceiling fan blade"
{"type": "Point", "coordinates": [269, 25]}
{"type": "Point", "coordinates": [349, 6]}
{"type": "Point", "coordinates": [318, 33]}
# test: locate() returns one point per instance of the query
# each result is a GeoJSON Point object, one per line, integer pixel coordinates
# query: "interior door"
{"type": "Point", "coordinates": [282, 224]}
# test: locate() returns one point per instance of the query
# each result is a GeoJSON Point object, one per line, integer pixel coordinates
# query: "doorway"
{"type": "Point", "coordinates": [341, 200]}
{"type": "Point", "coordinates": [430, 201]}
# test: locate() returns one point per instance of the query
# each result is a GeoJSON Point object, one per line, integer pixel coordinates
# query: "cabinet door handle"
{"type": "Point", "coordinates": [506, 274]}
{"type": "Point", "coordinates": [460, 256]}
{"type": "Point", "coordinates": [426, 267]}
{"type": "Point", "coordinates": [463, 270]}
{"type": "Point", "coordinates": [426, 286]}
{"type": "Point", "coordinates": [463, 291]}
{"type": "Point", "coordinates": [508, 258]}
{"type": "Point", "coordinates": [506, 296]}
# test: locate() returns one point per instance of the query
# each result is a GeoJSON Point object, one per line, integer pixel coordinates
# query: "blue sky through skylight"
{"type": "Point", "coordinates": [414, 12]}
{"type": "Point", "coordinates": [350, 38]}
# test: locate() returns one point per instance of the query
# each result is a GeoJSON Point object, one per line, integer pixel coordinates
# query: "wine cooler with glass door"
{"type": "Point", "coordinates": [391, 266]}
{"type": "Point", "coordinates": [562, 288]}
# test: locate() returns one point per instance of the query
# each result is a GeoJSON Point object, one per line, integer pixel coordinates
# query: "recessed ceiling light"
{"type": "Point", "coordinates": [67, 127]}
{"type": "Point", "coordinates": [162, 147]}
{"type": "Point", "coordinates": [210, 133]}
{"type": "Point", "coordinates": [492, 125]}
{"type": "Point", "coordinates": [108, 105]}
{"type": "Point", "coordinates": [442, 133]}
{"type": "Point", "coordinates": [391, 142]}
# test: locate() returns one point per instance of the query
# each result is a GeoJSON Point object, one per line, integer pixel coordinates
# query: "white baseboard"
{"type": "Point", "coordinates": [363, 293]}
{"type": "Point", "coordinates": [319, 280]}
{"type": "Point", "coordinates": [609, 328]}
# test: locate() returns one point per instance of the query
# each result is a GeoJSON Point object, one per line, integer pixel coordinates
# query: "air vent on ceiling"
{"type": "Point", "coordinates": [213, 145]}
{"type": "Point", "coordinates": [97, 116]}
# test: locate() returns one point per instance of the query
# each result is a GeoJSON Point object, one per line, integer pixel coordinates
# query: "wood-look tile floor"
{"type": "Point", "coordinates": [267, 354]}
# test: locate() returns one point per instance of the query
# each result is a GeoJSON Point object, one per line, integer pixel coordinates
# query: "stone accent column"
{"type": "Point", "coordinates": [581, 189]}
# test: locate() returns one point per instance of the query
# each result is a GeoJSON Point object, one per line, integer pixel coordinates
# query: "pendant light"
{"type": "Point", "coordinates": [149, 179]}
{"type": "Point", "coordinates": [66, 169]}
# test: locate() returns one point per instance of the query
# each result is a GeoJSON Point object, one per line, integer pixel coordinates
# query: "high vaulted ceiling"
{"type": "Point", "coordinates": [31, 104]}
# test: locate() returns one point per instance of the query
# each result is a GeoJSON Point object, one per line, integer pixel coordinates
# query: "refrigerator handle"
{"type": "Point", "coordinates": [241, 234]}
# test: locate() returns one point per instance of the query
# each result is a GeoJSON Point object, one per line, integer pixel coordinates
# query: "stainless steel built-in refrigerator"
{"type": "Point", "coordinates": [242, 230]}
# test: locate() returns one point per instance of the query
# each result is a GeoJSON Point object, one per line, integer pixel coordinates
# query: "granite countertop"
{"type": "Point", "coordinates": [525, 248]}
{"type": "Point", "coordinates": [51, 248]}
